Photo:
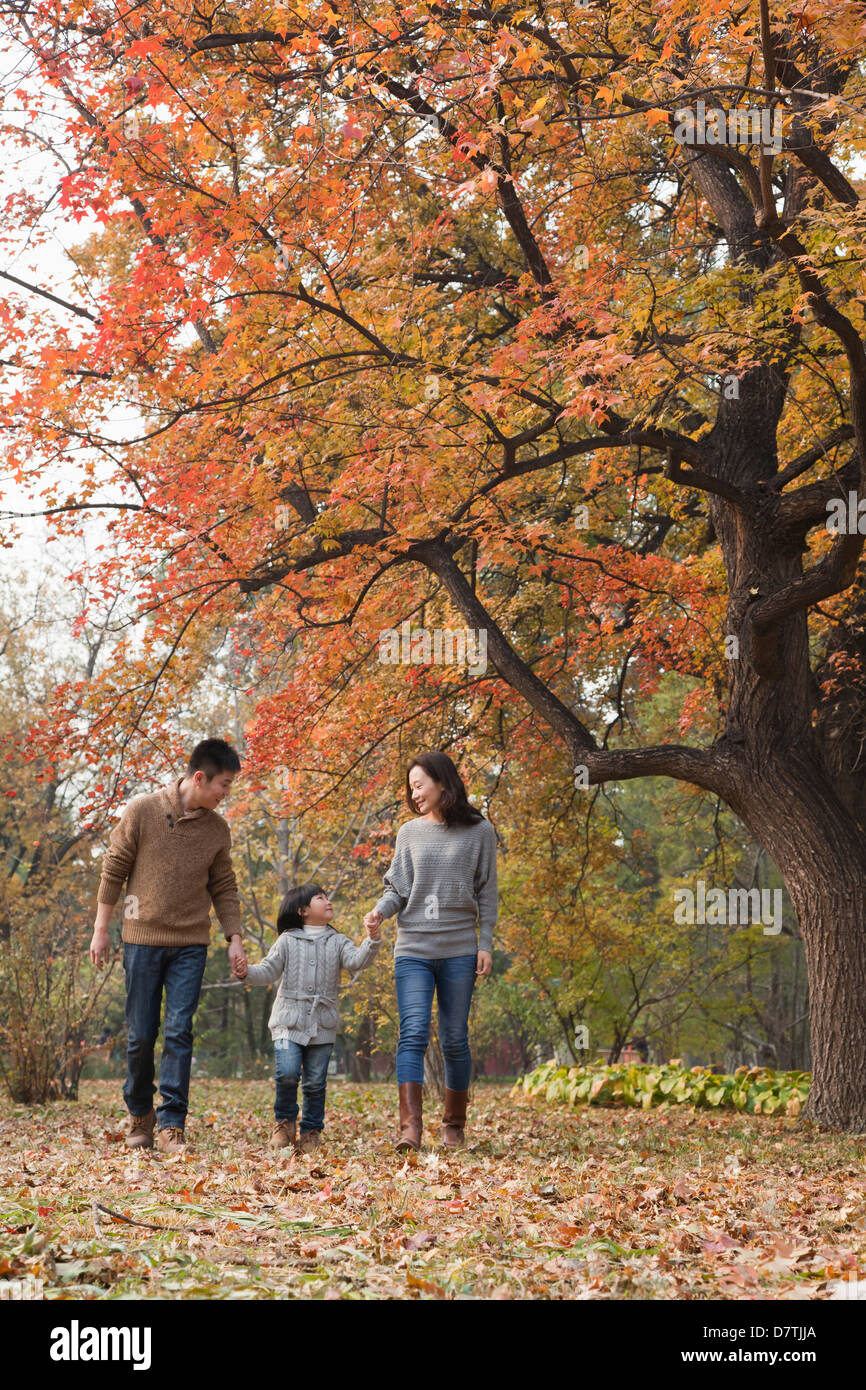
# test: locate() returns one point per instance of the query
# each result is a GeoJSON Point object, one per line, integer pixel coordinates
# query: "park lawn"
{"type": "Point", "coordinates": [543, 1203]}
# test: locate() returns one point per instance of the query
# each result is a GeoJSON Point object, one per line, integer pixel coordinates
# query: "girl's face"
{"type": "Point", "coordinates": [319, 912]}
{"type": "Point", "coordinates": [426, 791]}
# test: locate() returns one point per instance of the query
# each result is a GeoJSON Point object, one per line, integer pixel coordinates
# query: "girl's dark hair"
{"type": "Point", "coordinates": [454, 805]}
{"type": "Point", "coordinates": [289, 914]}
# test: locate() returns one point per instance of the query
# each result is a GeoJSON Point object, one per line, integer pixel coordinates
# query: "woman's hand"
{"type": "Point", "coordinates": [484, 964]}
{"type": "Point", "coordinates": [374, 930]}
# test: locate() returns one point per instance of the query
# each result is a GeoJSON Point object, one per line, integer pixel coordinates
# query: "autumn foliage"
{"type": "Point", "coordinates": [424, 314]}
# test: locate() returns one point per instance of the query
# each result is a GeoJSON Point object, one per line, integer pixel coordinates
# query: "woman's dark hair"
{"type": "Point", "coordinates": [454, 805]}
{"type": "Point", "coordinates": [289, 914]}
{"type": "Point", "coordinates": [213, 756]}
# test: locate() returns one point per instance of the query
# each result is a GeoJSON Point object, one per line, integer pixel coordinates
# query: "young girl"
{"type": "Point", "coordinates": [306, 958]}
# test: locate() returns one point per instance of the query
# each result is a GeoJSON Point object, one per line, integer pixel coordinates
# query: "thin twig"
{"type": "Point", "coordinates": [118, 1216]}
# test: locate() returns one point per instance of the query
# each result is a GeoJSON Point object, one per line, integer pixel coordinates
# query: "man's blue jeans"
{"type": "Point", "coordinates": [150, 969]}
{"type": "Point", "coordinates": [453, 980]}
{"type": "Point", "coordinates": [293, 1061]}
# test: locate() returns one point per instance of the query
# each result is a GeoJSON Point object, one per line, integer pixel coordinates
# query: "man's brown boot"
{"type": "Point", "coordinates": [170, 1140]}
{"type": "Point", "coordinates": [454, 1118]}
{"type": "Point", "coordinates": [309, 1140]}
{"type": "Point", "coordinates": [140, 1132]}
{"type": "Point", "coordinates": [411, 1117]}
{"type": "Point", "coordinates": [283, 1136]}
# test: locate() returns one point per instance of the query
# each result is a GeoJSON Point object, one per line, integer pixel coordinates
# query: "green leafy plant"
{"type": "Point", "coordinates": [756, 1090]}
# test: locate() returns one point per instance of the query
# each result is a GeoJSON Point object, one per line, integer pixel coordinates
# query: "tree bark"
{"type": "Point", "coordinates": [821, 853]}
{"type": "Point", "coordinates": [362, 1050]}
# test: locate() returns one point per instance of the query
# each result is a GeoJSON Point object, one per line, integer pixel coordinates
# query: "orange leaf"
{"type": "Point", "coordinates": [426, 1285]}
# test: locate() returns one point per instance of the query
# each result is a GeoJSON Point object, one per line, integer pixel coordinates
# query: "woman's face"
{"type": "Point", "coordinates": [426, 791]}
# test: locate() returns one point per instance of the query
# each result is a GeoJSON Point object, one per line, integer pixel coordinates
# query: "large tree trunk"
{"type": "Point", "coordinates": [834, 945]}
{"type": "Point", "coordinates": [821, 853]}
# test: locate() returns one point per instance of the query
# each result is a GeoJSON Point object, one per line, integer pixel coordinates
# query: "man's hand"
{"type": "Point", "coordinates": [237, 959]}
{"type": "Point", "coordinates": [373, 919]}
{"type": "Point", "coordinates": [484, 964]}
{"type": "Point", "coordinates": [100, 947]}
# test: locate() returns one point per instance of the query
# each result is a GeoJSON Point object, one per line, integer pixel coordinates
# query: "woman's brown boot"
{"type": "Point", "coordinates": [410, 1116]}
{"type": "Point", "coordinates": [454, 1119]}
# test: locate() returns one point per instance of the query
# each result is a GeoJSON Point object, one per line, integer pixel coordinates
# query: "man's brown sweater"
{"type": "Point", "coordinates": [175, 865]}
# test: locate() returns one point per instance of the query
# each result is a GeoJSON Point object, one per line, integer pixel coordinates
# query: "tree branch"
{"type": "Point", "coordinates": [46, 294]}
{"type": "Point", "coordinates": [799, 510]}
{"type": "Point", "coordinates": [832, 576]}
{"type": "Point", "coordinates": [805, 460]}
{"type": "Point", "coordinates": [701, 767]}
{"type": "Point", "coordinates": [334, 548]}
{"type": "Point", "coordinates": [695, 478]}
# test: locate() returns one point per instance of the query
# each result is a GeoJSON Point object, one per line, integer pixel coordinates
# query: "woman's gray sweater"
{"type": "Point", "coordinates": [441, 883]}
{"type": "Point", "coordinates": [308, 969]}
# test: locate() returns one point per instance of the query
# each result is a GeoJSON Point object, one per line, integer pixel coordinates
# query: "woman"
{"type": "Point", "coordinates": [442, 879]}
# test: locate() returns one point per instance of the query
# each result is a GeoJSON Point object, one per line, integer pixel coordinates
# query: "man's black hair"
{"type": "Point", "coordinates": [289, 914]}
{"type": "Point", "coordinates": [213, 756]}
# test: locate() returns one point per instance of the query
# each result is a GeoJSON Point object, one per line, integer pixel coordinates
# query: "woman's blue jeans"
{"type": "Point", "coordinates": [293, 1062]}
{"type": "Point", "coordinates": [453, 980]}
{"type": "Point", "coordinates": [149, 970]}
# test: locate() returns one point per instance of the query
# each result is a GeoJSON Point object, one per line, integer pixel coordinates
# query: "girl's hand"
{"type": "Point", "coordinates": [373, 919]}
{"type": "Point", "coordinates": [374, 933]}
{"type": "Point", "coordinates": [484, 964]}
{"type": "Point", "coordinates": [240, 969]}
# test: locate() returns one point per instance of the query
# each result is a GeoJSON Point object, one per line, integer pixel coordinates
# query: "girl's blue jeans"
{"type": "Point", "coordinates": [292, 1063]}
{"type": "Point", "coordinates": [453, 981]}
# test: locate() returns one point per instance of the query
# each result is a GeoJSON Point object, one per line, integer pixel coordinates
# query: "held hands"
{"type": "Point", "coordinates": [373, 923]}
{"type": "Point", "coordinates": [237, 959]}
{"type": "Point", "coordinates": [484, 964]}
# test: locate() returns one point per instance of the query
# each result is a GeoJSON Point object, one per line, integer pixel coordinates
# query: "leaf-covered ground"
{"type": "Point", "coordinates": [542, 1204]}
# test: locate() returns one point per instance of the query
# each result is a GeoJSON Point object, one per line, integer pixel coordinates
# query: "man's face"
{"type": "Point", "coordinates": [211, 793]}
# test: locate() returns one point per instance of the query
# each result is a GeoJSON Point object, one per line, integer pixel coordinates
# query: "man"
{"type": "Point", "coordinates": [174, 853]}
